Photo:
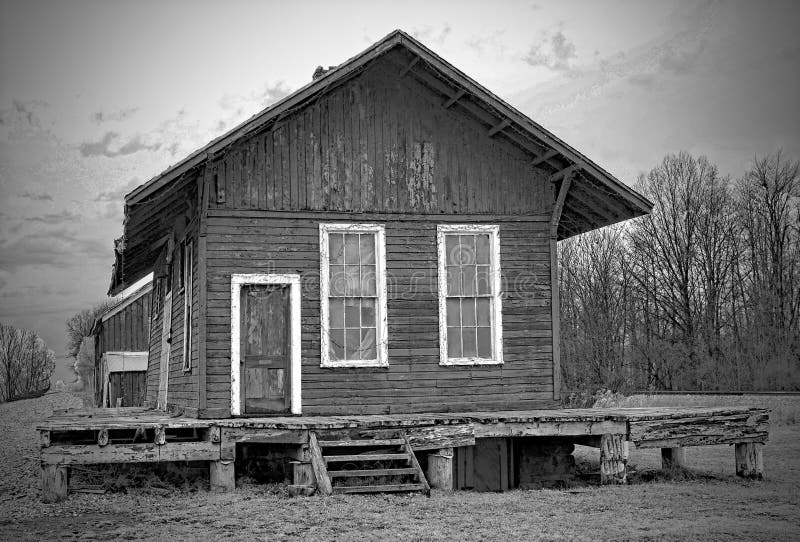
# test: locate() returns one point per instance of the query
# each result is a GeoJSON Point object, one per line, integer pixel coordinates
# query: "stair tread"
{"type": "Point", "coordinates": [365, 457]}
{"type": "Point", "coordinates": [362, 442]}
{"type": "Point", "coordinates": [379, 488]}
{"type": "Point", "coordinates": [371, 472]}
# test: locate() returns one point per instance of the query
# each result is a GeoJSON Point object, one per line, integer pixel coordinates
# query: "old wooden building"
{"type": "Point", "coordinates": [381, 241]}
{"type": "Point", "coordinates": [355, 290]}
{"type": "Point", "coordinates": [121, 338]}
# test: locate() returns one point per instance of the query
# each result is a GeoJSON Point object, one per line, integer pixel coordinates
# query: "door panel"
{"type": "Point", "coordinates": [265, 336]}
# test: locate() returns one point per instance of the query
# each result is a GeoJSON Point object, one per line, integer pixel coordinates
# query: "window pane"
{"type": "Point", "coordinates": [453, 342]}
{"type": "Point", "coordinates": [336, 248]}
{"type": "Point", "coordinates": [484, 279]}
{"type": "Point", "coordinates": [368, 280]}
{"type": "Point", "coordinates": [336, 339]}
{"type": "Point", "coordinates": [351, 313]}
{"type": "Point", "coordinates": [482, 245]}
{"type": "Point", "coordinates": [451, 247]}
{"type": "Point", "coordinates": [351, 248]}
{"type": "Point", "coordinates": [467, 249]}
{"type": "Point", "coordinates": [368, 312]}
{"type": "Point", "coordinates": [368, 347]}
{"type": "Point", "coordinates": [468, 312]}
{"type": "Point", "coordinates": [367, 241]}
{"type": "Point", "coordinates": [338, 281]}
{"type": "Point", "coordinates": [485, 342]}
{"type": "Point", "coordinates": [336, 312]}
{"type": "Point", "coordinates": [352, 342]}
{"type": "Point", "coordinates": [468, 338]}
{"type": "Point", "coordinates": [352, 280]}
{"type": "Point", "coordinates": [484, 307]}
{"type": "Point", "coordinates": [453, 312]}
{"type": "Point", "coordinates": [468, 272]}
{"type": "Point", "coordinates": [453, 281]}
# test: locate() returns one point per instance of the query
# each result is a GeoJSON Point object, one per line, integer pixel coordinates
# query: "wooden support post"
{"type": "Point", "coordinates": [302, 473]}
{"type": "Point", "coordinates": [318, 464]}
{"type": "Point", "coordinates": [612, 459]}
{"type": "Point", "coordinates": [55, 483]}
{"type": "Point", "coordinates": [673, 458]}
{"type": "Point", "coordinates": [749, 460]}
{"type": "Point", "coordinates": [222, 475]}
{"type": "Point", "coordinates": [440, 469]}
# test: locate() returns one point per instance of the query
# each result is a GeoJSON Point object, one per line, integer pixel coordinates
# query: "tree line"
{"type": "Point", "coordinates": [26, 364]}
{"type": "Point", "coordinates": [701, 294]}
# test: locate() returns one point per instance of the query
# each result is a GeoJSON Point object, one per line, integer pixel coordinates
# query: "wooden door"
{"type": "Point", "coordinates": [265, 348]}
{"type": "Point", "coordinates": [166, 339]}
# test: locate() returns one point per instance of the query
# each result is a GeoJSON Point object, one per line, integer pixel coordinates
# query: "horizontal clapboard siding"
{"type": "Point", "coordinates": [379, 143]}
{"type": "Point", "coordinates": [268, 242]}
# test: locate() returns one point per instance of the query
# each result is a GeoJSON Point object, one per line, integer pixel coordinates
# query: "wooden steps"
{"type": "Point", "coordinates": [380, 465]}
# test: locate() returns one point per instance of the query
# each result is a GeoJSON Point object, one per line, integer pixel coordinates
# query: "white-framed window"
{"type": "Point", "coordinates": [470, 312]}
{"type": "Point", "coordinates": [186, 282]}
{"type": "Point", "coordinates": [353, 295]}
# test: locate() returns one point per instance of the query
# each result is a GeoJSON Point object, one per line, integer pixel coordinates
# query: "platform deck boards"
{"type": "Point", "coordinates": [638, 421]}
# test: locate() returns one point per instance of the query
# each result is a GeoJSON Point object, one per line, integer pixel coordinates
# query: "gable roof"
{"type": "Point", "coordinates": [596, 197]}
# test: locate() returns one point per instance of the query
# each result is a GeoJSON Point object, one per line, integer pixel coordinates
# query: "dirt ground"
{"type": "Point", "coordinates": [711, 504]}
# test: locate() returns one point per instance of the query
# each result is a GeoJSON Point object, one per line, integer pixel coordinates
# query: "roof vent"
{"type": "Point", "coordinates": [320, 71]}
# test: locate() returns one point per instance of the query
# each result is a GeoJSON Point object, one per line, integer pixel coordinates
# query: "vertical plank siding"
{"type": "Point", "coordinates": [128, 330]}
{"type": "Point", "coordinates": [379, 144]}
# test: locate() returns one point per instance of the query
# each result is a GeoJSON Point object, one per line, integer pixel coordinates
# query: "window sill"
{"type": "Point", "coordinates": [469, 361]}
{"type": "Point", "coordinates": [352, 363]}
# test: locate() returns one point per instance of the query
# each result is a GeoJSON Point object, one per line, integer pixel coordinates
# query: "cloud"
{"type": "Point", "coordinates": [553, 52]}
{"type": "Point", "coordinates": [55, 248]}
{"type": "Point", "coordinates": [55, 218]}
{"type": "Point", "coordinates": [36, 197]}
{"type": "Point", "coordinates": [272, 93]}
{"type": "Point", "coordinates": [106, 146]}
{"type": "Point", "coordinates": [482, 44]}
{"type": "Point", "coordinates": [429, 34]}
{"type": "Point", "coordinates": [681, 58]}
{"type": "Point", "coordinates": [100, 117]}
{"type": "Point", "coordinates": [26, 118]}
{"type": "Point", "coordinates": [116, 195]}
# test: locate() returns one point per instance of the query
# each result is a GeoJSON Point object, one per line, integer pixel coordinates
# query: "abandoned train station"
{"type": "Point", "coordinates": [362, 281]}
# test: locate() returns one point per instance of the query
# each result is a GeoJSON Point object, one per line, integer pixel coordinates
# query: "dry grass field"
{"type": "Point", "coordinates": [710, 503]}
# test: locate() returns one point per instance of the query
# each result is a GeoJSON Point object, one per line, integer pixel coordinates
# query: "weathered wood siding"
{"type": "Point", "coordinates": [378, 143]}
{"type": "Point", "coordinates": [126, 331]}
{"type": "Point", "coordinates": [182, 391]}
{"type": "Point", "coordinates": [128, 386]}
{"type": "Point", "coordinates": [270, 242]}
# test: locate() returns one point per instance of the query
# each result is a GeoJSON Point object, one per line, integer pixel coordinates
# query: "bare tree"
{"type": "Point", "coordinates": [25, 363]}
{"type": "Point", "coordinates": [80, 324]}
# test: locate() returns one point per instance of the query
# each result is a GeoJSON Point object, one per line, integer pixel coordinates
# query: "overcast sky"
{"type": "Point", "coordinates": [98, 97]}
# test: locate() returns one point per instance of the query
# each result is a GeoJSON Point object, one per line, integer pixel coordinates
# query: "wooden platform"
{"type": "Point", "coordinates": [120, 435]}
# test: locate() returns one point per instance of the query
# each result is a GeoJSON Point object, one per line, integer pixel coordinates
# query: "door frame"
{"type": "Point", "coordinates": [166, 351]}
{"type": "Point", "coordinates": [293, 281]}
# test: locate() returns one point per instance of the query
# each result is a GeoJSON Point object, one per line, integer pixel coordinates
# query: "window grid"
{"type": "Point", "coordinates": [353, 295]}
{"type": "Point", "coordinates": [469, 295]}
